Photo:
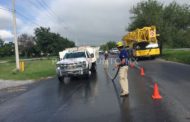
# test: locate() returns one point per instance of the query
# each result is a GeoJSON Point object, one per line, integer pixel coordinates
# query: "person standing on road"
{"type": "Point", "coordinates": [106, 63]}
{"type": "Point", "coordinates": [123, 55]}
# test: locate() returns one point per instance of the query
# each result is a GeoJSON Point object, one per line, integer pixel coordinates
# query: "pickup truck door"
{"type": "Point", "coordinates": [89, 59]}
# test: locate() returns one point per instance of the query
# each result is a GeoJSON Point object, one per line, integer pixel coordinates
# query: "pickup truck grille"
{"type": "Point", "coordinates": [70, 66]}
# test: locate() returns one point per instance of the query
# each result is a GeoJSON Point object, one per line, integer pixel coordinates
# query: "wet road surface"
{"type": "Point", "coordinates": [76, 100]}
{"type": "Point", "coordinates": [174, 84]}
{"type": "Point", "coordinates": [97, 99]}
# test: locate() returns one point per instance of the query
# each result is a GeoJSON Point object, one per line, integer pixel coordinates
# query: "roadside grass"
{"type": "Point", "coordinates": [34, 69]}
{"type": "Point", "coordinates": [12, 58]}
{"type": "Point", "coordinates": [8, 59]}
{"type": "Point", "coordinates": [182, 56]}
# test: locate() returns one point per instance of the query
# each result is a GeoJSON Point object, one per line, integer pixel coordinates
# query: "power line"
{"type": "Point", "coordinates": [40, 5]}
{"type": "Point", "coordinates": [8, 22]}
{"type": "Point", "coordinates": [6, 9]}
{"type": "Point", "coordinates": [27, 18]}
{"type": "Point", "coordinates": [20, 14]}
{"type": "Point", "coordinates": [48, 7]}
{"type": "Point", "coordinates": [49, 10]}
{"type": "Point", "coordinates": [36, 5]}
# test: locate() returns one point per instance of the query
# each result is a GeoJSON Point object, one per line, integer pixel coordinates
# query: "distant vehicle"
{"type": "Point", "coordinates": [114, 51]}
{"type": "Point", "coordinates": [101, 51]}
{"type": "Point", "coordinates": [75, 63]}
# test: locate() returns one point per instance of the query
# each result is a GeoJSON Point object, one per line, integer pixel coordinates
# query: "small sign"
{"type": "Point", "coordinates": [152, 33]}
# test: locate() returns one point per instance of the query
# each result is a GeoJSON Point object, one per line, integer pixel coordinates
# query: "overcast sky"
{"type": "Point", "coordinates": [86, 22]}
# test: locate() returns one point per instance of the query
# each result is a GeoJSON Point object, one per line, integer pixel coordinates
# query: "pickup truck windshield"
{"type": "Point", "coordinates": [75, 55]}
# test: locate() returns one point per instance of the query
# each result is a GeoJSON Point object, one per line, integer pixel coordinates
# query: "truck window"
{"type": "Point", "coordinates": [75, 55]}
{"type": "Point", "coordinates": [88, 54]}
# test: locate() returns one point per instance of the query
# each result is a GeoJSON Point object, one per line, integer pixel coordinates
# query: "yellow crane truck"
{"type": "Point", "coordinates": [143, 42]}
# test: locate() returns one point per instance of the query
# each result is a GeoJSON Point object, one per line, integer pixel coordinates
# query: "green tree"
{"type": "Point", "coordinates": [1, 42]}
{"type": "Point", "coordinates": [49, 42]}
{"type": "Point", "coordinates": [26, 44]}
{"type": "Point", "coordinates": [104, 47]}
{"type": "Point", "coordinates": [176, 21]}
{"type": "Point", "coordinates": [146, 13]}
{"type": "Point", "coordinates": [109, 45]}
{"type": "Point", "coordinates": [7, 49]}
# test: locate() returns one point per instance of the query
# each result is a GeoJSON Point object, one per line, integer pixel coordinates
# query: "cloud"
{"type": "Point", "coordinates": [92, 22]}
{"type": "Point", "coordinates": [6, 24]}
{"type": "Point", "coordinates": [85, 21]}
{"type": "Point", "coordinates": [5, 34]}
{"type": "Point", "coordinates": [5, 17]}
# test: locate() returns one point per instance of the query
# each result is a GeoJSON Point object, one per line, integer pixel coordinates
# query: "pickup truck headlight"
{"type": "Point", "coordinates": [61, 66]}
{"type": "Point", "coordinates": [84, 64]}
{"type": "Point", "coordinates": [58, 65]}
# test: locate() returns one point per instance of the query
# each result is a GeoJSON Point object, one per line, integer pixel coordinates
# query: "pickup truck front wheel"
{"type": "Point", "coordinates": [93, 69]}
{"type": "Point", "coordinates": [88, 74]}
{"type": "Point", "coordinates": [61, 78]}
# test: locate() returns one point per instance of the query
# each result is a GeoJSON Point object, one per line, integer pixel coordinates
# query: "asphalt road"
{"type": "Point", "coordinates": [97, 99]}
{"type": "Point", "coordinates": [174, 84]}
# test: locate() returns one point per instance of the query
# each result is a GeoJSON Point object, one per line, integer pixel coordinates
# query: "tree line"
{"type": "Point", "coordinates": [43, 43]}
{"type": "Point", "coordinates": [107, 46]}
{"type": "Point", "coordinates": [6, 49]}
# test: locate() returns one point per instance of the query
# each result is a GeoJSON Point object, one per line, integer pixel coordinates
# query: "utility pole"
{"type": "Point", "coordinates": [15, 36]}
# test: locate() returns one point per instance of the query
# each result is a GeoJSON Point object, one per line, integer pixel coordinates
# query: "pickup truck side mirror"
{"type": "Point", "coordinates": [92, 55]}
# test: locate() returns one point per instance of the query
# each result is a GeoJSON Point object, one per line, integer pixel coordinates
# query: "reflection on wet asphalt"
{"type": "Point", "coordinates": [77, 99]}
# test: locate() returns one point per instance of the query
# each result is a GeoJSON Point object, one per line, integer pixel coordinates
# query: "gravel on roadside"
{"type": "Point", "coordinates": [11, 83]}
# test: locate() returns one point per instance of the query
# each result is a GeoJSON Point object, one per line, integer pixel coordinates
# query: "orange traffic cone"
{"type": "Point", "coordinates": [142, 71]}
{"type": "Point", "coordinates": [156, 94]}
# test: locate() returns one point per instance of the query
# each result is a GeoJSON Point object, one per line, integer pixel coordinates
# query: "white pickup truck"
{"type": "Point", "coordinates": [74, 63]}
{"type": "Point", "coordinates": [93, 51]}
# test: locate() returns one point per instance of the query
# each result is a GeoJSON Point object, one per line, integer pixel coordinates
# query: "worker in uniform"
{"type": "Point", "coordinates": [123, 71]}
{"type": "Point", "coordinates": [106, 63]}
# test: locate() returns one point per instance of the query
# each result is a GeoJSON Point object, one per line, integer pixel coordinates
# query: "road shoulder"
{"type": "Point", "coordinates": [163, 60]}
